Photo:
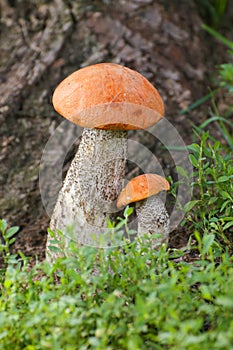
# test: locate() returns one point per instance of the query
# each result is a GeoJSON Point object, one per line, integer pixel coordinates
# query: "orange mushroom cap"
{"type": "Point", "coordinates": [108, 96]}
{"type": "Point", "coordinates": [142, 187]}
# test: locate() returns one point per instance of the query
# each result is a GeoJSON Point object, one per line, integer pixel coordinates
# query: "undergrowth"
{"type": "Point", "coordinates": [131, 298]}
{"type": "Point", "coordinates": [211, 210]}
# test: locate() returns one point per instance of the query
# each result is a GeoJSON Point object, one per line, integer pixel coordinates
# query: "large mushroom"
{"type": "Point", "coordinates": [150, 210]}
{"type": "Point", "coordinates": [107, 100]}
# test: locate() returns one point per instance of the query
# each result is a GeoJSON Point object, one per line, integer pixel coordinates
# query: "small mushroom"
{"type": "Point", "coordinates": [150, 210]}
{"type": "Point", "coordinates": [107, 100]}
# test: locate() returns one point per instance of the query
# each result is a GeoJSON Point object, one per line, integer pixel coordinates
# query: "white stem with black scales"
{"type": "Point", "coordinates": [153, 219]}
{"type": "Point", "coordinates": [92, 184]}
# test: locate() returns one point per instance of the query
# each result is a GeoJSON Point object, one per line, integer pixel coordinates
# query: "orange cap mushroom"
{"type": "Point", "coordinates": [113, 98]}
{"type": "Point", "coordinates": [142, 187]}
{"type": "Point", "coordinates": [108, 96]}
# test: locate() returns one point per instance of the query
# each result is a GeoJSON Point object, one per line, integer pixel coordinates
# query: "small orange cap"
{"type": "Point", "coordinates": [142, 187]}
{"type": "Point", "coordinates": [108, 96]}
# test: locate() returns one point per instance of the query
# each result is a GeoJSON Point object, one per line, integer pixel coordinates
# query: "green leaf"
{"type": "Point", "coordinates": [51, 233]}
{"type": "Point", "coordinates": [54, 241]}
{"type": "Point", "coordinates": [193, 160]}
{"type": "Point", "coordinates": [212, 200]}
{"type": "Point", "coordinates": [223, 178]}
{"type": "Point", "coordinates": [120, 224]}
{"type": "Point", "coordinates": [11, 241]}
{"type": "Point", "coordinates": [11, 231]}
{"type": "Point", "coordinates": [205, 291]}
{"type": "Point", "coordinates": [226, 301]}
{"type": "Point", "coordinates": [214, 119]}
{"type": "Point", "coordinates": [214, 219]}
{"type": "Point", "coordinates": [3, 334]}
{"type": "Point", "coordinates": [207, 152]}
{"type": "Point", "coordinates": [128, 211]}
{"type": "Point", "coordinates": [188, 206]}
{"type": "Point", "coordinates": [214, 225]}
{"type": "Point", "coordinates": [208, 240]}
{"type": "Point", "coordinates": [3, 225]}
{"type": "Point", "coordinates": [227, 225]}
{"type": "Point", "coordinates": [194, 147]}
{"type": "Point", "coordinates": [61, 234]}
{"type": "Point", "coordinates": [181, 171]}
{"type": "Point", "coordinates": [225, 204]}
{"type": "Point", "coordinates": [54, 249]}
{"type": "Point", "coordinates": [228, 218]}
{"type": "Point", "coordinates": [225, 195]}
{"type": "Point", "coordinates": [110, 224]}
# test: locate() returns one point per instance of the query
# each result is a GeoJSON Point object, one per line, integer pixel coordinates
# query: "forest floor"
{"type": "Point", "coordinates": [42, 43]}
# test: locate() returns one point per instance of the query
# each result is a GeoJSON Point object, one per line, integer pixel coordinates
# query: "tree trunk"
{"type": "Point", "coordinates": [38, 42]}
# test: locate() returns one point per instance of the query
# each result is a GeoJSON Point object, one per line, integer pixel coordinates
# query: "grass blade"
{"type": "Point", "coordinates": [218, 36]}
{"type": "Point", "coordinates": [199, 102]}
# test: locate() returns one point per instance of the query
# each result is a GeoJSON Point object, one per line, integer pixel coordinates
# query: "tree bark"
{"type": "Point", "coordinates": [37, 46]}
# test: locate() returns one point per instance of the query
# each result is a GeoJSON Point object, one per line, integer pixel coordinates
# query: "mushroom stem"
{"type": "Point", "coordinates": [90, 188]}
{"type": "Point", "coordinates": [153, 219]}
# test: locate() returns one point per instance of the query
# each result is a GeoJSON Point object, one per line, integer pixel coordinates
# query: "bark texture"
{"type": "Point", "coordinates": [38, 44]}
{"type": "Point", "coordinates": [92, 184]}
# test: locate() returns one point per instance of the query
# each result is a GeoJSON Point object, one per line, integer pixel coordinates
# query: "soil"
{"type": "Point", "coordinates": [44, 41]}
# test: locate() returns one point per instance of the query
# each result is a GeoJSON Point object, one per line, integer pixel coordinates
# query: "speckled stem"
{"type": "Point", "coordinates": [90, 189]}
{"type": "Point", "coordinates": [153, 219]}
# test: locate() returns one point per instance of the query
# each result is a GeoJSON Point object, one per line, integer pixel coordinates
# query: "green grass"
{"type": "Point", "coordinates": [138, 299]}
{"type": "Point", "coordinates": [212, 11]}
{"type": "Point", "coordinates": [211, 210]}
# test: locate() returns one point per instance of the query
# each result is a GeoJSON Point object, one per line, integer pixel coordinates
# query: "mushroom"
{"type": "Point", "coordinates": [150, 210]}
{"type": "Point", "coordinates": [107, 100]}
